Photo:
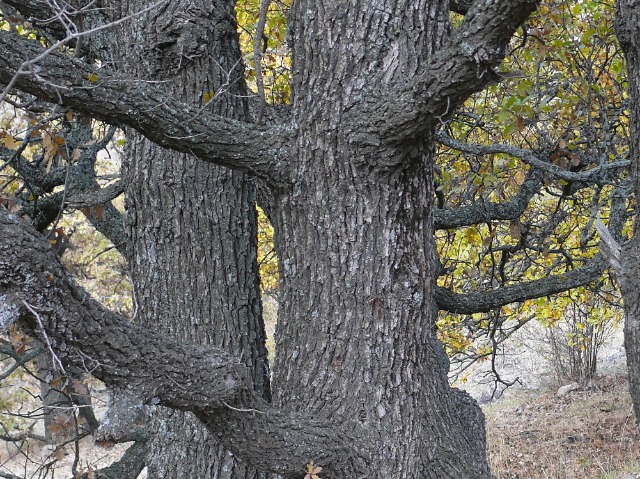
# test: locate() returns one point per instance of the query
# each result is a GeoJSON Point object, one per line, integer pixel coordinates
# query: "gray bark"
{"type": "Point", "coordinates": [191, 224]}
{"type": "Point", "coordinates": [628, 31]}
{"type": "Point", "coordinates": [360, 379]}
{"type": "Point", "coordinates": [354, 338]}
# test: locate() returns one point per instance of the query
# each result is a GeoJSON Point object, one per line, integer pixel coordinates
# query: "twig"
{"type": "Point", "coordinates": [71, 36]}
{"type": "Point", "coordinates": [257, 56]}
{"type": "Point", "coordinates": [242, 410]}
{"type": "Point", "coordinates": [46, 338]}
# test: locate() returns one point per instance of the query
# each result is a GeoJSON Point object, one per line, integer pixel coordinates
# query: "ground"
{"type": "Point", "coordinates": [589, 433]}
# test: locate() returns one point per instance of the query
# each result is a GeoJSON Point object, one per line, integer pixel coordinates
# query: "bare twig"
{"type": "Point", "coordinates": [530, 158]}
{"type": "Point", "coordinates": [257, 56]}
{"type": "Point", "coordinates": [56, 359]}
{"type": "Point", "coordinates": [27, 66]}
{"type": "Point", "coordinates": [242, 409]}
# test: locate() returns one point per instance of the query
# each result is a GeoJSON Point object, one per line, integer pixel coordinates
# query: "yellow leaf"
{"type": "Point", "coordinates": [207, 96]}
{"type": "Point", "coordinates": [312, 471]}
{"type": "Point", "coordinates": [9, 142]}
{"type": "Point", "coordinates": [472, 234]}
{"type": "Point", "coordinates": [92, 77]}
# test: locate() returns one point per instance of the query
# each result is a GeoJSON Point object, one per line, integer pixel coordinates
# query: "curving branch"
{"type": "Point", "coordinates": [39, 13]}
{"type": "Point", "coordinates": [82, 190]}
{"type": "Point", "coordinates": [593, 175]}
{"type": "Point", "coordinates": [120, 100]}
{"type": "Point", "coordinates": [99, 196]}
{"type": "Point", "coordinates": [485, 301]}
{"type": "Point", "coordinates": [39, 295]}
{"type": "Point", "coordinates": [463, 66]}
{"type": "Point", "coordinates": [490, 211]}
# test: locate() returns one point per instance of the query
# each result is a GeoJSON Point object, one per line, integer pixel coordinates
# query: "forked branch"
{"type": "Point", "coordinates": [464, 65]}
{"type": "Point", "coordinates": [119, 100]}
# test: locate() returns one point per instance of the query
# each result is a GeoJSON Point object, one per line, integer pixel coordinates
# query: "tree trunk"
{"type": "Point", "coordinates": [192, 225]}
{"type": "Point", "coordinates": [628, 31]}
{"type": "Point", "coordinates": [360, 379]}
{"type": "Point", "coordinates": [355, 339]}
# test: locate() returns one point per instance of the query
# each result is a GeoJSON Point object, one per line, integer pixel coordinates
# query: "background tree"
{"type": "Point", "coordinates": [525, 170]}
{"type": "Point", "coordinates": [627, 17]}
{"type": "Point", "coordinates": [387, 176]}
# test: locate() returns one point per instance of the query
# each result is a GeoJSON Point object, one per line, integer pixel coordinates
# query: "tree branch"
{"type": "Point", "coordinates": [528, 157]}
{"type": "Point", "coordinates": [39, 13]}
{"type": "Point", "coordinates": [462, 67]}
{"type": "Point", "coordinates": [485, 301]}
{"type": "Point", "coordinates": [204, 380]}
{"type": "Point", "coordinates": [119, 100]}
{"type": "Point", "coordinates": [487, 212]}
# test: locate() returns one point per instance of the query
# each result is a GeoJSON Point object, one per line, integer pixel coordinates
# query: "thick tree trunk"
{"type": "Point", "coordinates": [355, 340]}
{"type": "Point", "coordinates": [361, 381]}
{"type": "Point", "coordinates": [192, 225]}
{"type": "Point", "coordinates": [628, 31]}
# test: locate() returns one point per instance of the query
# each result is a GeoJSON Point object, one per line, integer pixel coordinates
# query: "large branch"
{"type": "Point", "coordinates": [463, 66]}
{"type": "Point", "coordinates": [485, 301]}
{"type": "Point", "coordinates": [39, 295]}
{"type": "Point", "coordinates": [486, 212]}
{"type": "Point", "coordinates": [120, 100]}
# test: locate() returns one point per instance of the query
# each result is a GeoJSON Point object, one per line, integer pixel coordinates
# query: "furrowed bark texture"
{"type": "Point", "coordinates": [122, 100]}
{"type": "Point", "coordinates": [192, 225]}
{"type": "Point", "coordinates": [628, 31]}
{"type": "Point", "coordinates": [360, 379]}
{"type": "Point", "coordinates": [354, 339]}
{"type": "Point", "coordinates": [38, 294]}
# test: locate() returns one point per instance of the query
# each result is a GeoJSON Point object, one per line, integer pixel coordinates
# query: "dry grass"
{"type": "Point", "coordinates": [590, 433]}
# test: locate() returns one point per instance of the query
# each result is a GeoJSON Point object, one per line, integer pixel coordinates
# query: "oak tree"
{"type": "Point", "coordinates": [346, 176]}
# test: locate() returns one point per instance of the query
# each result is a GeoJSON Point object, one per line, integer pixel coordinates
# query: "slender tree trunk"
{"type": "Point", "coordinates": [628, 31]}
{"type": "Point", "coordinates": [192, 224]}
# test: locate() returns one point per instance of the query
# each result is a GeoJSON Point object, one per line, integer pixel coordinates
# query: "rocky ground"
{"type": "Point", "coordinates": [588, 433]}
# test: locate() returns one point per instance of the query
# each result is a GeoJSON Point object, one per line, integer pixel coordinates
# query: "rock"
{"type": "Point", "coordinates": [564, 390]}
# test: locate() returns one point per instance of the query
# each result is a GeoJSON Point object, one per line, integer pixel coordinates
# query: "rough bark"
{"type": "Point", "coordinates": [628, 31]}
{"type": "Point", "coordinates": [354, 339]}
{"type": "Point", "coordinates": [39, 295]}
{"type": "Point", "coordinates": [118, 99]}
{"type": "Point", "coordinates": [191, 224]}
{"type": "Point", "coordinates": [360, 380]}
